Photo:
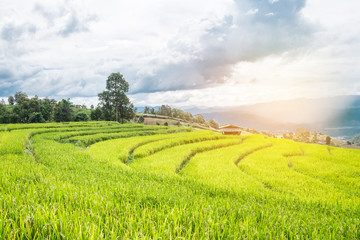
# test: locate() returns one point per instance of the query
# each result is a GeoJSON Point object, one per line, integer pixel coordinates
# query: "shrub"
{"type": "Point", "coordinates": [328, 140]}
{"type": "Point", "coordinates": [166, 124]}
{"type": "Point", "coordinates": [141, 119]}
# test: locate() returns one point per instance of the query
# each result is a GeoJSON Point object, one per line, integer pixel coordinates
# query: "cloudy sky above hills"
{"type": "Point", "coordinates": [180, 52]}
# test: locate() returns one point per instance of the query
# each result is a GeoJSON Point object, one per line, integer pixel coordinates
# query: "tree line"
{"type": "Point", "coordinates": [114, 105]}
{"type": "Point", "coordinates": [166, 110]}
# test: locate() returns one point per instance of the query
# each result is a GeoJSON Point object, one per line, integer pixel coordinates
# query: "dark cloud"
{"type": "Point", "coordinates": [47, 14]}
{"type": "Point", "coordinates": [74, 21]}
{"type": "Point", "coordinates": [75, 25]}
{"type": "Point", "coordinates": [256, 29]}
{"type": "Point", "coordinates": [14, 78]}
{"type": "Point", "coordinates": [5, 74]}
{"type": "Point", "coordinates": [250, 34]}
{"type": "Point", "coordinates": [12, 33]}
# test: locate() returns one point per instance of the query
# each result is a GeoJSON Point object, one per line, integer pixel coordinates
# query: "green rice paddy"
{"type": "Point", "coordinates": [104, 180]}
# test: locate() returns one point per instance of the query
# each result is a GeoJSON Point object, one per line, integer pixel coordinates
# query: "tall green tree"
{"type": "Point", "coordinates": [213, 124]}
{"type": "Point", "coordinates": [20, 97]}
{"type": "Point", "coordinates": [200, 119]}
{"type": "Point", "coordinates": [96, 114]}
{"type": "Point", "coordinates": [47, 108]}
{"type": "Point", "coordinates": [11, 100]}
{"type": "Point", "coordinates": [36, 117]}
{"type": "Point", "coordinates": [63, 111]}
{"type": "Point", "coordinates": [4, 114]}
{"type": "Point", "coordinates": [107, 109]}
{"type": "Point", "coordinates": [114, 98]}
{"type": "Point", "coordinates": [147, 109]}
{"type": "Point", "coordinates": [165, 110]}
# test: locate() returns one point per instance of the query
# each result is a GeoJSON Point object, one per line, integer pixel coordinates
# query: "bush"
{"type": "Point", "coordinates": [166, 124]}
{"type": "Point", "coordinates": [157, 123]}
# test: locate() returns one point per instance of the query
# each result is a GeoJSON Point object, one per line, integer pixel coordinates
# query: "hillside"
{"type": "Point", "coordinates": [335, 116]}
{"type": "Point", "coordinates": [104, 180]}
{"type": "Point", "coordinates": [162, 120]}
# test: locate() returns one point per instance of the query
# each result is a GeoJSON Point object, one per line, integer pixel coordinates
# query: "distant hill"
{"type": "Point", "coordinates": [248, 120]}
{"type": "Point", "coordinates": [336, 116]}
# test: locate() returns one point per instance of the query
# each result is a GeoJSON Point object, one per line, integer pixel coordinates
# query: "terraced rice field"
{"type": "Point", "coordinates": [103, 180]}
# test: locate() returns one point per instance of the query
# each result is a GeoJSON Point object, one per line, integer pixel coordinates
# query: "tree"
{"type": "Point", "coordinates": [4, 114]}
{"type": "Point", "coordinates": [188, 117]}
{"type": "Point", "coordinates": [199, 119]}
{"type": "Point", "coordinates": [114, 97]}
{"type": "Point", "coordinates": [291, 135]}
{"type": "Point", "coordinates": [165, 110]}
{"type": "Point", "coordinates": [147, 110]}
{"type": "Point", "coordinates": [36, 117]}
{"type": "Point", "coordinates": [63, 111]}
{"type": "Point", "coordinates": [47, 108]}
{"type": "Point", "coordinates": [107, 111]}
{"type": "Point", "coordinates": [96, 114]}
{"type": "Point", "coordinates": [213, 124]}
{"type": "Point", "coordinates": [127, 111]}
{"type": "Point", "coordinates": [34, 105]}
{"type": "Point", "coordinates": [141, 119]}
{"type": "Point", "coordinates": [302, 134]}
{"type": "Point", "coordinates": [81, 117]}
{"type": "Point", "coordinates": [315, 139]}
{"type": "Point", "coordinates": [11, 100]}
{"type": "Point", "coordinates": [20, 97]}
{"type": "Point", "coordinates": [328, 140]}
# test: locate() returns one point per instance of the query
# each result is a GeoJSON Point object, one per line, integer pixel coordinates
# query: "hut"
{"type": "Point", "coordinates": [230, 129]}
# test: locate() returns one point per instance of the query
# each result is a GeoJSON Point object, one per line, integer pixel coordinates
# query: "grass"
{"type": "Point", "coordinates": [172, 160]}
{"type": "Point", "coordinates": [219, 188]}
{"type": "Point", "coordinates": [153, 147]}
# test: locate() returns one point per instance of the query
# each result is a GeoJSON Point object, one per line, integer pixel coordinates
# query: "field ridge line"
{"type": "Point", "coordinates": [186, 161]}
{"type": "Point", "coordinates": [251, 152]}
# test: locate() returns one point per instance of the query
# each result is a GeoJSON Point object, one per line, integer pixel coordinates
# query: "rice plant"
{"type": "Point", "coordinates": [184, 185]}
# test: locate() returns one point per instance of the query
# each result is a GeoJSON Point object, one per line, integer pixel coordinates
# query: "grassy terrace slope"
{"type": "Point", "coordinates": [105, 180]}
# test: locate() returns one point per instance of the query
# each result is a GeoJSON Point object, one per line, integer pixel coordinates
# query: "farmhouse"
{"type": "Point", "coordinates": [230, 129]}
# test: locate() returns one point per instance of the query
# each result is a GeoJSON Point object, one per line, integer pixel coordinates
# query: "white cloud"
{"type": "Point", "coordinates": [193, 52]}
{"type": "Point", "coordinates": [252, 11]}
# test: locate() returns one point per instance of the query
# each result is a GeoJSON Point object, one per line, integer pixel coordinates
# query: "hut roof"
{"type": "Point", "coordinates": [230, 126]}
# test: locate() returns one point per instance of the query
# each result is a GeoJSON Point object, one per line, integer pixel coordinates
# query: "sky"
{"type": "Point", "coordinates": [184, 53]}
